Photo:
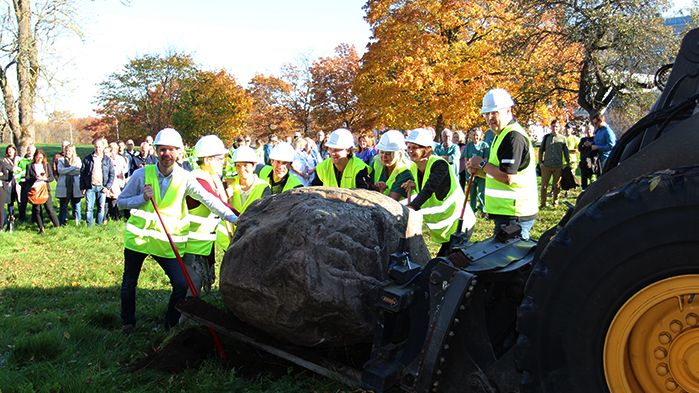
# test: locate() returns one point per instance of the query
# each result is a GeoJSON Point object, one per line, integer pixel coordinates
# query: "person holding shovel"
{"type": "Point", "coordinates": [164, 185]}
{"type": "Point", "coordinates": [199, 257]}
{"type": "Point", "coordinates": [510, 169]}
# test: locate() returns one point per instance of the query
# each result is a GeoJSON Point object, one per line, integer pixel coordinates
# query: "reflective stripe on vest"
{"type": "Point", "coordinates": [326, 173]}
{"type": "Point", "coordinates": [291, 180]}
{"type": "Point", "coordinates": [258, 188]}
{"type": "Point", "coordinates": [518, 199]}
{"type": "Point", "coordinates": [144, 233]}
{"type": "Point", "coordinates": [203, 223]}
{"type": "Point", "coordinates": [442, 217]}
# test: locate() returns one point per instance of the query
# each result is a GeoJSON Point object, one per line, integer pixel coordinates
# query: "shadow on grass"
{"type": "Point", "coordinates": [69, 339]}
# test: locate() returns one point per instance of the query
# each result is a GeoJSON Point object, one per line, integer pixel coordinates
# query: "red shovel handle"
{"type": "Point", "coordinates": [468, 191]}
{"type": "Point", "coordinates": [188, 278]}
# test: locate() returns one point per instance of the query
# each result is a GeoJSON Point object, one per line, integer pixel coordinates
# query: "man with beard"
{"type": "Point", "coordinates": [167, 185]}
{"type": "Point", "coordinates": [510, 169]}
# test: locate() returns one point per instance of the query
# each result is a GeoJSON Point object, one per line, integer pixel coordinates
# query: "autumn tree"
{"type": "Point", "coordinates": [27, 28]}
{"type": "Point", "coordinates": [299, 99]}
{"type": "Point", "coordinates": [335, 103]}
{"type": "Point", "coordinates": [143, 97]}
{"type": "Point", "coordinates": [621, 43]}
{"type": "Point", "coordinates": [269, 114]}
{"type": "Point", "coordinates": [213, 103]}
{"type": "Point", "coordinates": [429, 63]}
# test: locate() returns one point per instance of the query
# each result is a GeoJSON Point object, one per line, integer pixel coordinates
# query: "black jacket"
{"type": "Point", "coordinates": [31, 176]}
{"type": "Point", "coordinates": [86, 172]}
{"type": "Point", "coordinates": [7, 175]}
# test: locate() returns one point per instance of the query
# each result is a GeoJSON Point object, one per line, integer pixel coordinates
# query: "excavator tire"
{"type": "Point", "coordinates": [610, 303]}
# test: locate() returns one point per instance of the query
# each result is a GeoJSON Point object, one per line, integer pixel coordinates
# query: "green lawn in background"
{"type": "Point", "coordinates": [60, 326]}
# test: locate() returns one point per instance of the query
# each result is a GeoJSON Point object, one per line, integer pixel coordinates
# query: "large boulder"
{"type": "Point", "coordinates": [305, 265]}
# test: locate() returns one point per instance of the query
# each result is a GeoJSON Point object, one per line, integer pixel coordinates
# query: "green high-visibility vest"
{"type": "Point", "coordinates": [572, 143]}
{"type": "Point", "coordinates": [326, 173]}
{"type": "Point", "coordinates": [20, 172]}
{"type": "Point", "coordinates": [291, 180]}
{"type": "Point", "coordinates": [258, 188]}
{"type": "Point", "coordinates": [518, 199]}
{"type": "Point", "coordinates": [202, 224]}
{"type": "Point", "coordinates": [378, 169]}
{"type": "Point", "coordinates": [144, 232]}
{"type": "Point", "coordinates": [441, 217]}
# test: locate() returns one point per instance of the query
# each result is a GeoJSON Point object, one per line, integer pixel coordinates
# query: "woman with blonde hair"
{"type": "Point", "coordinates": [391, 169]}
{"type": "Point", "coordinates": [68, 185]}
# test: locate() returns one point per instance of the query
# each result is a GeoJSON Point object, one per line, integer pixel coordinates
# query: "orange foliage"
{"type": "Point", "coordinates": [213, 103]}
{"type": "Point", "coordinates": [269, 114]}
{"type": "Point", "coordinates": [335, 103]}
{"type": "Point", "coordinates": [431, 62]}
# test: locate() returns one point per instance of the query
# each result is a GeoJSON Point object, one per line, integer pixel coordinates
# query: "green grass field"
{"type": "Point", "coordinates": [60, 326]}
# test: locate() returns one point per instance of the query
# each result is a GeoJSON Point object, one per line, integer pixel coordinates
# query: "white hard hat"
{"type": "Point", "coordinates": [208, 146]}
{"type": "Point", "coordinates": [421, 136]}
{"type": "Point", "coordinates": [282, 151]}
{"type": "Point", "coordinates": [168, 137]}
{"type": "Point", "coordinates": [245, 154]}
{"type": "Point", "coordinates": [340, 139]}
{"type": "Point", "coordinates": [391, 140]}
{"type": "Point", "coordinates": [495, 100]}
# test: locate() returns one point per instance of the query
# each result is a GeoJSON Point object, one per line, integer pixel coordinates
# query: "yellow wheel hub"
{"type": "Point", "coordinates": [652, 344]}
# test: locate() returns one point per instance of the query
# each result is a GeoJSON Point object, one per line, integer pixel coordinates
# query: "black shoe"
{"type": "Point", "coordinates": [127, 329]}
{"type": "Point", "coordinates": [169, 325]}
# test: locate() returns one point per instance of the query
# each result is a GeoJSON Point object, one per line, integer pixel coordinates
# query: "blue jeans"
{"type": "Point", "coordinates": [92, 194]}
{"type": "Point", "coordinates": [63, 210]}
{"type": "Point", "coordinates": [525, 225]}
{"type": "Point", "coordinates": [133, 261]}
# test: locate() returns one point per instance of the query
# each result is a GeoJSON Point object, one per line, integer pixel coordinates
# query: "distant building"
{"type": "Point", "coordinates": [679, 24]}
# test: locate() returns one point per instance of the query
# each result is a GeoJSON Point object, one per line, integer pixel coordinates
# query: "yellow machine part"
{"type": "Point", "coordinates": [652, 345]}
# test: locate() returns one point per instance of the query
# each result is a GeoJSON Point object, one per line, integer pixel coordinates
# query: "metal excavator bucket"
{"type": "Point", "coordinates": [448, 326]}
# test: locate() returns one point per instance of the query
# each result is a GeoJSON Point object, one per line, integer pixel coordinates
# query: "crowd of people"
{"type": "Point", "coordinates": [198, 198]}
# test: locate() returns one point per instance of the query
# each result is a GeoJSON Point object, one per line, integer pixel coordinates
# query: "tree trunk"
{"type": "Point", "coordinates": [439, 126]}
{"type": "Point", "coordinates": [27, 74]}
{"type": "Point", "coordinates": [11, 111]}
{"type": "Point", "coordinates": [594, 95]}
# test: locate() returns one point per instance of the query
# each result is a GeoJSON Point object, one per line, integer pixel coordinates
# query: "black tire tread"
{"type": "Point", "coordinates": [612, 211]}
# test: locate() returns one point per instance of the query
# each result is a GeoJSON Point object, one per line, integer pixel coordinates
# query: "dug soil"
{"type": "Point", "coordinates": [192, 346]}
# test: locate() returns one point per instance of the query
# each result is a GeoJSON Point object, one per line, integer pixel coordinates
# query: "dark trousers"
{"type": "Point", "coordinates": [36, 214]}
{"type": "Point", "coordinates": [4, 199]}
{"type": "Point", "coordinates": [112, 209]}
{"type": "Point", "coordinates": [8, 216]}
{"type": "Point", "coordinates": [23, 201]}
{"type": "Point", "coordinates": [133, 261]}
{"type": "Point", "coordinates": [585, 176]}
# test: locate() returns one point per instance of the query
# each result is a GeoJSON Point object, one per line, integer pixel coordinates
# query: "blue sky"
{"type": "Point", "coordinates": [243, 37]}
